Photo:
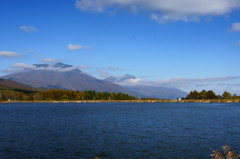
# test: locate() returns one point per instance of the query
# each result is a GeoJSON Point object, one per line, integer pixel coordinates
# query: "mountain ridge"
{"type": "Point", "coordinates": [6, 84]}
{"type": "Point", "coordinates": [147, 91]}
{"type": "Point", "coordinates": [62, 76]}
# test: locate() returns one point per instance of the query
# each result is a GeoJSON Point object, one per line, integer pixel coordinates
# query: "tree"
{"type": "Point", "coordinates": [203, 94]}
{"type": "Point", "coordinates": [211, 95]}
{"type": "Point", "coordinates": [226, 95]}
{"type": "Point", "coordinates": [193, 95]}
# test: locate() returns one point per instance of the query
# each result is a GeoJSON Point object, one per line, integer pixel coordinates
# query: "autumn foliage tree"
{"type": "Point", "coordinates": [202, 95]}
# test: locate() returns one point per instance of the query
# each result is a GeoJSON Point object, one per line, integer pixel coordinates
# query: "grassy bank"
{"type": "Point", "coordinates": [131, 101]}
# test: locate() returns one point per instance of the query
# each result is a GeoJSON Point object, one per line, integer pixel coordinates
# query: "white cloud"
{"type": "Point", "coordinates": [49, 60]}
{"type": "Point", "coordinates": [18, 67]}
{"type": "Point", "coordinates": [183, 82]}
{"type": "Point", "coordinates": [114, 68]}
{"type": "Point", "coordinates": [21, 65]}
{"type": "Point", "coordinates": [27, 28]}
{"type": "Point", "coordinates": [84, 67]}
{"type": "Point", "coordinates": [236, 27]}
{"type": "Point", "coordinates": [164, 10]}
{"type": "Point", "coordinates": [103, 74]}
{"type": "Point", "coordinates": [53, 67]}
{"type": "Point", "coordinates": [136, 82]}
{"type": "Point", "coordinates": [72, 47]}
{"type": "Point", "coordinates": [31, 51]}
{"type": "Point", "coordinates": [10, 70]}
{"type": "Point", "coordinates": [9, 54]}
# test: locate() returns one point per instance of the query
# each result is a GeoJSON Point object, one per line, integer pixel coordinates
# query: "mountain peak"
{"type": "Point", "coordinates": [62, 65]}
{"type": "Point", "coordinates": [56, 65]}
{"type": "Point", "coordinates": [127, 76]}
{"type": "Point", "coordinates": [63, 76]}
{"type": "Point", "coordinates": [41, 65]}
{"type": "Point", "coordinates": [120, 78]}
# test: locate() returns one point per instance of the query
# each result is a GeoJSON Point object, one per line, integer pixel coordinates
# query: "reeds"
{"type": "Point", "coordinates": [226, 153]}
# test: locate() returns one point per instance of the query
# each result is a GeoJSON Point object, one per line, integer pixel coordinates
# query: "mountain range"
{"type": "Point", "coordinates": [148, 91]}
{"type": "Point", "coordinates": [63, 76]}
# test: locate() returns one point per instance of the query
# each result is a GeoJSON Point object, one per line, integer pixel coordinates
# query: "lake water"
{"type": "Point", "coordinates": [117, 130]}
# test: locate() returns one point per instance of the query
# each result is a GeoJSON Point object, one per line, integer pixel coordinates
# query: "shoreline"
{"type": "Point", "coordinates": [135, 101]}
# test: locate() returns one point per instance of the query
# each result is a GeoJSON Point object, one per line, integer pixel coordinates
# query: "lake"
{"type": "Point", "coordinates": [117, 130]}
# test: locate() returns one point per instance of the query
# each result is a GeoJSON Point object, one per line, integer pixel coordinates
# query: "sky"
{"type": "Point", "coordinates": [187, 44]}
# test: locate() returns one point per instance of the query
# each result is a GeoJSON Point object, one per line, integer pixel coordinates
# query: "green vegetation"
{"type": "Point", "coordinates": [61, 95]}
{"type": "Point", "coordinates": [210, 95]}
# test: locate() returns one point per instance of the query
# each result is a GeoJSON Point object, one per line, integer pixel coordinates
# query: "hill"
{"type": "Point", "coordinates": [6, 84]}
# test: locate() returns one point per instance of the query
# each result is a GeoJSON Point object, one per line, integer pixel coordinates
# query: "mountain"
{"type": "Point", "coordinates": [144, 91]}
{"type": "Point", "coordinates": [6, 84]}
{"type": "Point", "coordinates": [63, 76]}
{"type": "Point", "coordinates": [158, 92]}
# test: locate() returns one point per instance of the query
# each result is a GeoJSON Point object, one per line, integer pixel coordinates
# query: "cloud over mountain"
{"type": "Point", "coordinates": [48, 67]}
{"type": "Point", "coordinates": [21, 65]}
{"type": "Point", "coordinates": [162, 10]}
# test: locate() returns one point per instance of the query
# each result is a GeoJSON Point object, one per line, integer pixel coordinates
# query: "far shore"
{"type": "Point", "coordinates": [135, 101]}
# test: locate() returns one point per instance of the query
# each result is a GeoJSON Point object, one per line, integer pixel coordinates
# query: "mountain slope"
{"type": "Point", "coordinates": [158, 92]}
{"type": "Point", "coordinates": [145, 91]}
{"type": "Point", "coordinates": [63, 76]}
{"type": "Point", "coordinates": [6, 84]}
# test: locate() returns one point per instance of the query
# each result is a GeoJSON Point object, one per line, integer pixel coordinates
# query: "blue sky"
{"type": "Point", "coordinates": [177, 43]}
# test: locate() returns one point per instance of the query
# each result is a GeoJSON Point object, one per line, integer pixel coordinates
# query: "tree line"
{"type": "Point", "coordinates": [210, 95]}
{"type": "Point", "coordinates": [61, 95]}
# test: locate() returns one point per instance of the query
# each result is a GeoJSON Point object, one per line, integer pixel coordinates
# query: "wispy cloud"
{"type": "Point", "coordinates": [72, 47]}
{"type": "Point", "coordinates": [236, 27]}
{"type": "Point", "coordinates": [21, 65]}
{"type": "Point", "coordinates": [182, 83]}
{"type": "Point", "coordinates": [31, 51]}
{"type": "Point", "coordinates": [18, 67]}
{"type": "Point", "coordinates": [49, 60]}
{"type": "Point", "coordinates": [27, 28]}
{"type": "Point", "coordinates": [107, 72]}
{"type": "Point", "coordinates": [10, 70]}
{"type": "Point", "coordinates": [83, 67]}
{"type": "Point", "coordinates": [103, 73]}
{"type": "Point", "coordinates": [163, 10]}
{"type": "Point", "coordinates": [114, 68]}
{"type": "Point", "coordinates": [9, 54]}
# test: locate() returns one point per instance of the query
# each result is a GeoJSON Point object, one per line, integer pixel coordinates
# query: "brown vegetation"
{"type": "Point", "coordinates": [226, 153]}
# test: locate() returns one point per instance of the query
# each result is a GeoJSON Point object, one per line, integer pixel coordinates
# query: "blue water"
{"type": "Point", "coordinates": [117, 130]}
